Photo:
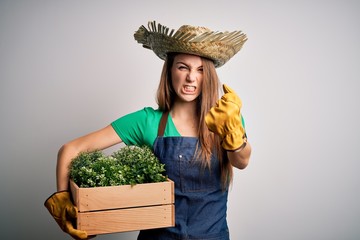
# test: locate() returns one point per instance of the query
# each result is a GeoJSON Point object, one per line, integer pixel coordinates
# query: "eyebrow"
{"type": "Point", "coordinates": [180, 62]}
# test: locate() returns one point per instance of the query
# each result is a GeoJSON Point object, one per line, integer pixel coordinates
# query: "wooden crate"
{"type": "Point", "coordinates": [105, 210]}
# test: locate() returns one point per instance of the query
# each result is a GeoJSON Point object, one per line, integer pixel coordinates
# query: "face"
{"type": "Point", "coordinates": [187, 76]}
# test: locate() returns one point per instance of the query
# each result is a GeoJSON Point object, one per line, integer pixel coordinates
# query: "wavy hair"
{"type": "Point", "coordinates": [208, 141]}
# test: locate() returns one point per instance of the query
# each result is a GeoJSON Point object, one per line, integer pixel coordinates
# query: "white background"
{"type": "Point", "coordinates": [71, 67]}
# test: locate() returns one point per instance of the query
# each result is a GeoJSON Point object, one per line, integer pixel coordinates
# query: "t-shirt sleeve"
{"type": "Point", "coordinates": [243, 121]}
{"type": "Point", "coordinates": [132, 128]}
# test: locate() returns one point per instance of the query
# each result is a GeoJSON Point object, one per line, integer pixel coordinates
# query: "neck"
{"type": "Point", "coordinates": [185, 118]}
{"type": "Point", "coordinates": [184, 110]}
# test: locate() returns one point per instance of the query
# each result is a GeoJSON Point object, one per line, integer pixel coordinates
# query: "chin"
{"type": "Point", "coordinates": [189, 99]}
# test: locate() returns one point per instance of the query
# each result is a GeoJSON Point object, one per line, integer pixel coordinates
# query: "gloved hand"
{"type": "Point", "coordinates": [225, 120]}
{"type": "Point", "coordinates": [64, 212]}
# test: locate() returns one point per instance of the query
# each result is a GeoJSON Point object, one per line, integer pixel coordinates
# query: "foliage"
{"type": "Point", "coordinates": [129, 165]}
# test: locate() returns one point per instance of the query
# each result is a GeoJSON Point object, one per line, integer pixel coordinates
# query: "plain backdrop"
{"type": "Point", "coordinates": [71, 67]}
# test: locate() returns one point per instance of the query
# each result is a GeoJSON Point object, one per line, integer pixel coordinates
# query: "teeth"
{"type": "Point", "coordinates": [190, 88]}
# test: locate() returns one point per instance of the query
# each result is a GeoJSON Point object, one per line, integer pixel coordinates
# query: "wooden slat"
{"type": "Point", "coordinates": [102, 198]}
{"type": "Point", "coordinates": [123, 220]}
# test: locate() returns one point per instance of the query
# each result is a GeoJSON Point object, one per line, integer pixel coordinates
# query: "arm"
{"type": "Point", "coordinates": [97, 140]}
{"type": "Point", "coordinates": [240, 159]}
{"type": "Point", "coordinates": [59, 204]}
{"type": "Point", "coordinates": [224, 119]}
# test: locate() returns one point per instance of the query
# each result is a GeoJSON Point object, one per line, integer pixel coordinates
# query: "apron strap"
{"type": "Point", "coordinates": [162, 124]}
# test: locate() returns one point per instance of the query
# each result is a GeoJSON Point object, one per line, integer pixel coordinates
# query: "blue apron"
{"type": "Point", "coordinates": [200, 202]}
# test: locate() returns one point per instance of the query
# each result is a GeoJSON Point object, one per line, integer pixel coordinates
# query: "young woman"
{"type": "Point", "coordinates": [198, 136]}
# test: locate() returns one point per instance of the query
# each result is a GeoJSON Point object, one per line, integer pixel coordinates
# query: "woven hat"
{"type": "Point", "coordinates": [201, 41]}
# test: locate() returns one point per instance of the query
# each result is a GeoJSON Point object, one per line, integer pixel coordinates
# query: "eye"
{"type": "Point", "coordinates": [200, 69]}
{"type": "Point", "coordinates": [182, 67]}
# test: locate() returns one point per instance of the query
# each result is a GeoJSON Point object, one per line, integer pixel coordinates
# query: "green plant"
{"type": "Point", "coordinates": [129, 165]}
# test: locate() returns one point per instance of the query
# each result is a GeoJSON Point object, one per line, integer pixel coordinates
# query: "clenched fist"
{"type": "Point", "coordinates": [225, 120]}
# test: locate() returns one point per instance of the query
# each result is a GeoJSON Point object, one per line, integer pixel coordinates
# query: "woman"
{"type": "Point", "coordinates": [198, 137]}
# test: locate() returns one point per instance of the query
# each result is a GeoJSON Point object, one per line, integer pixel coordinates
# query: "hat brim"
{"type": "Point", "coordinates": [217, 46]}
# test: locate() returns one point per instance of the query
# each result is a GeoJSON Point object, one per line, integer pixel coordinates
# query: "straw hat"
{"type": "Point", "coordinates": [201, 41]}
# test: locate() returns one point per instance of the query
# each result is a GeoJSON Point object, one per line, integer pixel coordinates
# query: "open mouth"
{"type": "Point", "coordinates": [189, 89]}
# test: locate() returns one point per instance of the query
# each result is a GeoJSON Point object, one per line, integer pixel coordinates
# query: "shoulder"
{"type": "Point", "coordinates": [144, 113]}
{"type": "Point", "coordinates": [151, 110]}
{"type": "Point", "coordinates": [146, 116]}
{"type": "Point", "coordinates": [139, 127]}
{"type": "Point", "coordinates": [151, 114]}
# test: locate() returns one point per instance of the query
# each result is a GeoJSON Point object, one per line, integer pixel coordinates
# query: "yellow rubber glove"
{"type": "Point", "coordinates": [64, 212]}
{"type": "Point", "coordinates": [225, 120]}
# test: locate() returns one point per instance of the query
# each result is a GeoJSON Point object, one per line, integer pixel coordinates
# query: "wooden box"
{"type": "Point", "coordinates": [105, 210]}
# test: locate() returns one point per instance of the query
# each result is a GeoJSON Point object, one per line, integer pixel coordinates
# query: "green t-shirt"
{"type": "Point", "coordinates": [141, 127]}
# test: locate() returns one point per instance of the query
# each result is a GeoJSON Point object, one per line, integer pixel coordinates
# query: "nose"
{"type": "Point", "coordinates": [191, 76]}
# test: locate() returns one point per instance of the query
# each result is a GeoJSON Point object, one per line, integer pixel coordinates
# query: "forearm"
{"type": "Point", "coordinates": [97, 140]}
{"type": "Point", "coordinates": [65, 155]}
{"type": "Point", "coordinates": [240, 159]}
